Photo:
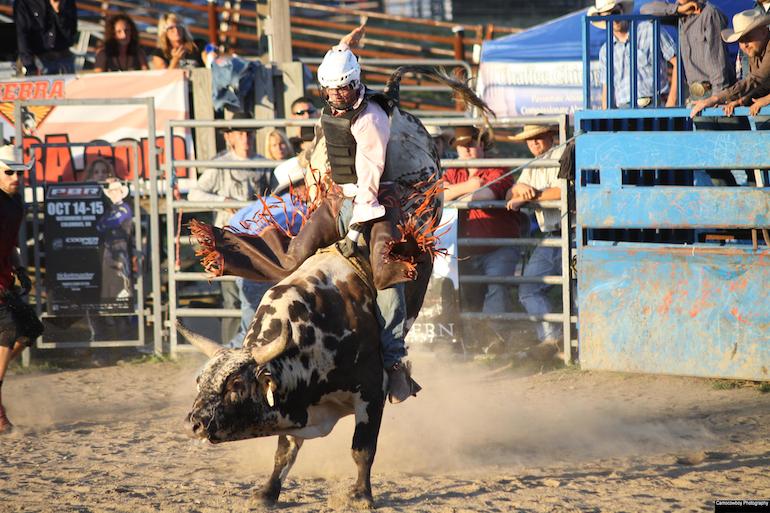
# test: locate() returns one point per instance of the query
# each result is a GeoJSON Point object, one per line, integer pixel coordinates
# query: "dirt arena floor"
{"type": "Point", "coordinates": [110, 439]}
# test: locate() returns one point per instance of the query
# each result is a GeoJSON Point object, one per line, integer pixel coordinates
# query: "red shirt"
{"type": "Point", "coordinates": [11, 214]}
{"type": "Point", "coordinates": [486, 222]}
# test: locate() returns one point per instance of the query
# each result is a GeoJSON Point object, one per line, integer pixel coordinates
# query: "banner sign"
{"type": "Point", "coordinates": [439, 319]}
{"type": "Point", "coordinates": [529, 88]}
{"type": "Point", "coordinates": [88, 249]}
{"type": "Point", "coordinates": [99, 127]}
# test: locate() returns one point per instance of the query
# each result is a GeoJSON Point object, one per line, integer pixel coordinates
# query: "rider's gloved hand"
{"type": "Point", "coordinates": [349, 245]}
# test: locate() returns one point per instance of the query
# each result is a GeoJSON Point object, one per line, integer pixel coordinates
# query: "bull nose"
{"type": "Point", "coordinates": [193, 426]}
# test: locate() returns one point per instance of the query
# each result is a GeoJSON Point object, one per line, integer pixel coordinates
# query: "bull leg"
{"type": "Point", "coordinates": [364, 448]}
{"type": "Point", "coordinates": [285, 456]}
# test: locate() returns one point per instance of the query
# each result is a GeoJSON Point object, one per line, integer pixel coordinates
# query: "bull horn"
{"type": "Point", "coordinates": [266, 353]}
{"type": "Point", "coordinates": [205, 345]}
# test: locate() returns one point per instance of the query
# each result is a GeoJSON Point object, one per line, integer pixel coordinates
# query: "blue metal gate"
{"type": "Point", "coordinates": [676, 304]}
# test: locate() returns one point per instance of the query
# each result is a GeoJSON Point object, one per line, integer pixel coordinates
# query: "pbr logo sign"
{"type": "Point", "coordinates": [88, 249]}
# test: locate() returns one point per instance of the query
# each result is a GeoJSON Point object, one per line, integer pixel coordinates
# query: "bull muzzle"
{"type": "Point", "coordinates": [195, 427]}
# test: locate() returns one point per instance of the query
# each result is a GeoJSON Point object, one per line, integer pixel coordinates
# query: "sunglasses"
{"type": "Point", "coordinates": [11, 172]}
{"type": "Point", "coordinates": [305, 111]}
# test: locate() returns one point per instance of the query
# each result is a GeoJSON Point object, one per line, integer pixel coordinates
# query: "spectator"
{"type": "Point", "coordinates": [121, 51]}
{"type": "Point", "coordinates": [231, 184]}
{"type": "Point", "coordinates": [277, 145]}
{"type": "Point", "coordinates": [303, 108]}
{"type": "Point", "coordinates": [45, 29]}
{"type": "Point", "coordinates": [621, 56]}
{"type": "Point", "coordinates": [704, 55]}
{"type": "Point", "coordinates": [287, 211]}
{"type": "Point", "coordinates": [482, 223]}
{"type": "Point", "coordinates": [14, 336]}
{"type": "Point", "coordinates": [99, 170]}
{"type": "Point", "coordinates": [751, 33]}
{"type": "Point", "coordinates": [540, 184]}
{"type": "Point", "coordinates": [175, 48]}
{"type": "Point", "coordinates": [742, 60]}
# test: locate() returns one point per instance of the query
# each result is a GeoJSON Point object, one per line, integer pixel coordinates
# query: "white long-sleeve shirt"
{"type": "Point", "coordinates": [371, 130]}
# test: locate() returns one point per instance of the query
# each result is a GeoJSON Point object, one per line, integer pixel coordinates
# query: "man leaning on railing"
{"type": "Point", "coordinates": [486, 222]}
{"type": "Point", "coordinates": [751, 32]}
{"type": "Point", "coordinates": [540, 184]}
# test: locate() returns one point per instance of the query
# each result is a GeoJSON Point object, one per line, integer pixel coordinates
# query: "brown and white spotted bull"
{"type": "Point", "coordinates": [311, 357]}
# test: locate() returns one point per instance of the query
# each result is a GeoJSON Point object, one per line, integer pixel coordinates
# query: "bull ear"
{"type": "Point", "coordinates": [268, 385]}
{"type": "Point", "coordinates": [205, 345]}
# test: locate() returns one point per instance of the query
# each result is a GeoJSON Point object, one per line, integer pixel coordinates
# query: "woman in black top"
{"type": "Point", "coordinates": [121, 51]}
{"type": "Point", "coordinates": [176, 49]}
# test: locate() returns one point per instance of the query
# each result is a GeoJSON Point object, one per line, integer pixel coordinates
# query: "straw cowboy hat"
{"type": "Point", "coordinates": [8, 160]}
{"type": "Point", "coordinates": [531, 132]}
{"type": "Point", "coordinates": [605, 6]}
{"type": "Point", "coordinates": [743, 23]}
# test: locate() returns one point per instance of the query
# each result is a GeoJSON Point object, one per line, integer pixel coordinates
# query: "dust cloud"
{"type": "Point", "coordinates": [467, 419]}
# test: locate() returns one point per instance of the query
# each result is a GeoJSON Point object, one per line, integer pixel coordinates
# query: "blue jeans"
{"type": "Point", "coordinates": [390, 304]}
{"type": "Point", "coordinates": [545, 261]}
{"type": "Point", "coordinates": [250, 293]}
{"type": "Point", "coordinates": [497, 263]}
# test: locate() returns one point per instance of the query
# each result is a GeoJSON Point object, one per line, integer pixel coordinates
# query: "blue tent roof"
{"type": "Point", "coordinates": [561, 39]}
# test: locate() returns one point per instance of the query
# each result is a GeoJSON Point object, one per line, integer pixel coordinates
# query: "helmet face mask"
{"type": "Point", "coordinates": [341, 98]}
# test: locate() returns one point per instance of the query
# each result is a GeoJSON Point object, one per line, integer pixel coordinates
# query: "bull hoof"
{"type": "Point", "coordinates": [266, 498]}
{"type": "Point", "coordinates": [360, 499]}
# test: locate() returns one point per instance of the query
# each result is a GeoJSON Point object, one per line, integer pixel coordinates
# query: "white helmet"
{"type": "Point", "coordinates": [338, 69]}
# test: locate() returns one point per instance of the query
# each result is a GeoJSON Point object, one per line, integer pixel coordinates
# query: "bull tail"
{"type": "Point", "coordinates": [205, 345]}
{"type": "Point", "coordinates": [392, 88]}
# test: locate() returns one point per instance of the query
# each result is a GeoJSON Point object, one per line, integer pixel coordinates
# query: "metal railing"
{"type": "Point", "coordinates": [149, 104]}
{"type": "Point", "coordinates": [175, 206]}
{"type": "Point", "coordinates": [609, 71]}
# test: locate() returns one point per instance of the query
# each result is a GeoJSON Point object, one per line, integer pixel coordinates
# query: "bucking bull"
{"type": "Point", "coordinates": [311, 355]}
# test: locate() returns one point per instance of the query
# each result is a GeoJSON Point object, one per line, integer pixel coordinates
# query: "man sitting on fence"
{"type": "Point", "coordinates": [751, 32]}
{"type": "Point", "coordinates": [540, 184]}
{"type": "Point", "coordinates": [491, 261]}
{"type": "Point", "coordinates": [621, 57]}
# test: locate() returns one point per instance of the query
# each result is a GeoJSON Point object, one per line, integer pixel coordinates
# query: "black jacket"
{"type": "Point", "coordinates": [39, 29]}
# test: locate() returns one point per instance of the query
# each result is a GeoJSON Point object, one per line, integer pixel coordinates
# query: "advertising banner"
{"type": "Point", "coordinates": [88, 248]}
{"type": "Point", "coordinates": [96, 127]}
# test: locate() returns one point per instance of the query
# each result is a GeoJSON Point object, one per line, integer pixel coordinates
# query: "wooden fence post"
{"type": "Point", "coordinates": [213, 38]}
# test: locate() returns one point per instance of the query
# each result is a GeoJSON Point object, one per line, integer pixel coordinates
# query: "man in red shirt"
{"type": "Point", "coordinates": [11, 215]}
{"type": "Point", "coordinates": [485, 223]}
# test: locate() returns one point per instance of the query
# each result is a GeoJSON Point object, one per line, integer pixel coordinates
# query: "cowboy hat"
{"type": "Point", "coordinates": [286, 174]}
{"type": "Point", "coordinates": [605, 6]}
{"type": "Point", "coordinates": [469, 136]}
{"type": "Point", "coordinates": [743, 23]}
{"type": "Point", "coordinates": [8, 160]}
{"type": "Point", "coordinates": [531, 132]}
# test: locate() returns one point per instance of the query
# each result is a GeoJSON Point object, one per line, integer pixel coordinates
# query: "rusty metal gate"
{"type": "Point", "coordinates": [669, 279]}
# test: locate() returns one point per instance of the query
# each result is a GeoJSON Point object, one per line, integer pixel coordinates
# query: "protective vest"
{"type": "Point", "coordinates": [340, 143]}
